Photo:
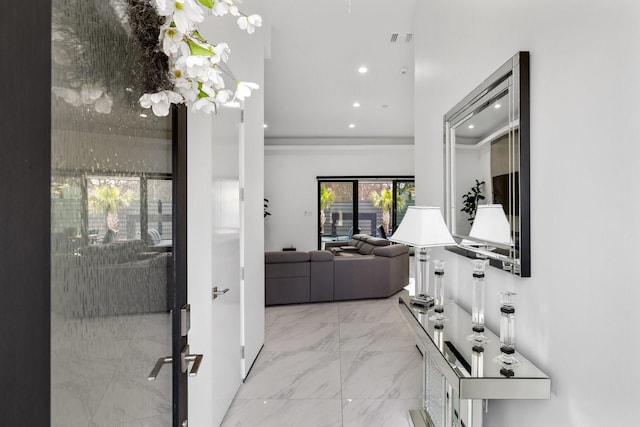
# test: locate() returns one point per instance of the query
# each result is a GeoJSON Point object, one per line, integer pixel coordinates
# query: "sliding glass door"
{"type": "Point", "coordinates": [336, 214]}
{"type": "Point", "coordinates": [369, 205]}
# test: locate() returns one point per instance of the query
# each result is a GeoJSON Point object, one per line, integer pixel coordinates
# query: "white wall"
{"type": "Point", "coordinates": [578, 312]}
{"type": "Point", "coordinates": [292, 189]}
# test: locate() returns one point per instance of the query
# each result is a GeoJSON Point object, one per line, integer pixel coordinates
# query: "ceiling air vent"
{"type": "Point", "coordinates": [401, 37]}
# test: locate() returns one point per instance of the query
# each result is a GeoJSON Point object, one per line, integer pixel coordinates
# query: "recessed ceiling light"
{"type": "Point", "coordinates": [351, 126]}
{"type": "Point", "coordinates": [356, 104]}
{"type": "Point", "coordinates": [471, 126]}
{"type": "Point", "coordinates": [265, 126]}
{"type": "Point", "coordinates": [496, 106]}
{"type": "Point", "coordinates": [143, 115]}
{"type": "Point", "coordinates": [363, 69]}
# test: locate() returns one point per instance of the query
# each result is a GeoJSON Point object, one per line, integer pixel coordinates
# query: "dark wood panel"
{"type": "Point", "coordinates": [25, 126]}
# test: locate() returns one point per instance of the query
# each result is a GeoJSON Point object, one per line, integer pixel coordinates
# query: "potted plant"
{"type": "Point", "coordinates": [472, 199]}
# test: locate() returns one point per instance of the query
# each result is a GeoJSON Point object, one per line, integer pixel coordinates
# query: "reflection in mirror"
{"type": "Point", "coordinates": [487, 164]}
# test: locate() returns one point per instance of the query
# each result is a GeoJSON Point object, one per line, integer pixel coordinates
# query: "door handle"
{"type": "Point", "coordinates": [156, 369]}
{"type": "Point", "coordinates": [216, 293]}
{"type": "Point", "coordinates": [187, 358]}
{"type": "Point", "coordinates": [197, 360]}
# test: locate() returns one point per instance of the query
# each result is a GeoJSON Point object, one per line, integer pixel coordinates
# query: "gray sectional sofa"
{"type": "Point", "coordinates": [110, 279]}
{"type": "Point", "coordinates": [364, 267]}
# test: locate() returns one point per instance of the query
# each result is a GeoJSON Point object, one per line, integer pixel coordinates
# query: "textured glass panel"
{"type": "Point", "coordinates": [110, 314]}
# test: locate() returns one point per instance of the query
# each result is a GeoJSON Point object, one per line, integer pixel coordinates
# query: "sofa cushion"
{"type": "Point", "coordinates": [378, 241]}
{"type": "Point", "coordinates": [285, 256]}
{"type": "Point", "coordinates": [320, 256]}
{"type": "Point", "coordinates": [390, 251]}
{"type": "Point", "coordinates": [366, 248]}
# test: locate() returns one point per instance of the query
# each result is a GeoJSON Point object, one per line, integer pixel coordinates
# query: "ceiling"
{"type": "Point", "coordinates": [312, 78]}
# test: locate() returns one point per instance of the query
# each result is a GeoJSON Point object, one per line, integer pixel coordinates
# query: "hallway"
{"type": "Point", "coordinates": [347, 364]}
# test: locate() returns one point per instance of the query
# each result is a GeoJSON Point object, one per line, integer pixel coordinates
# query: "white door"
{"type": "Point", "coordinates": [214, 262]}
{"type": "Point", "coordinates": [225, 326]}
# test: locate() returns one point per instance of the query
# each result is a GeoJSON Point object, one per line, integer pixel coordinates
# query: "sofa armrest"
{"type": "Point", "coordinates": [329, 245]}
{"type": "Point", "coordinates": [321, 256]}
{"type": "Point", "coordinates": [285, 257]}
{"type": "Point", "coordinates": [390, 251]}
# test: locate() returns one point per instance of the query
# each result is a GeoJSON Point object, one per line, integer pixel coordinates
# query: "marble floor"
{"type": "Point", "coordinates": [347, 364]}
{"type": "Point", "coordinates": [99, 371]}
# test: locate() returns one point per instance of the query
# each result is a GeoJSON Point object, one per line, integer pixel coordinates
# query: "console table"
{"type": "Point", "coordinates": [457, 379]}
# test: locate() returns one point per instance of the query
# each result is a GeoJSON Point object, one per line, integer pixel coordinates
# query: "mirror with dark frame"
{"type": "Point", "coordinates": [486, 140]}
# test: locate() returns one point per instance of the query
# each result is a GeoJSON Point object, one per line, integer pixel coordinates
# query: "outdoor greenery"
{"type": "Point", "coordinates": [384, 201]}
{"type": "Point", "coordinates": [327, 198]}
{"type": "Point", "coordinates": [106, 199]}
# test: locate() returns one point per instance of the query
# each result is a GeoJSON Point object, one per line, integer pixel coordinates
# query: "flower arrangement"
{"type": "Point", "coordinates": [195, 66]}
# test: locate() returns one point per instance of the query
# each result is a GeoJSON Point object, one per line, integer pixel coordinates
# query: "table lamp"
{"type": "Point", "coordinates": [423, 228]}
{"type": "Point", "coordinates": [489, 226]}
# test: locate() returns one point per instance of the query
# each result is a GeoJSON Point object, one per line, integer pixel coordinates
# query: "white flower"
{"type": "Point", "coordinates": [205, 105]}
{"type": "Point", "coordinates": [208, 90]}
{"type": "Point", "coordinates": [223, 96]}
{"type": "Point", "coordinates": [244, 89]}
{"type": "Point", "coordinates": [70, 96]}
{"type": "Point", "coordinates": [193, 62]}
{"type": "Point", "coordinates": [221, 52]}
{"type": "Point", "coordinates": [192, 66]}
{"type": "Point", "coordinates": [172, 41]}
{"type": "Point", "coordinates": [249, 23]}
{"type": "Point", "coordinates": [184, 12]}
{"type": "Point", "coordinates": [160, 101]}
{"type": "Point", "coordinates": [187, 88]}
{"type": "Point", "coordinates": [103, 104]}
{"type": "Point", "coordinates": [89, 94]}
{"type": "Point", "coordinates": [220, 8]}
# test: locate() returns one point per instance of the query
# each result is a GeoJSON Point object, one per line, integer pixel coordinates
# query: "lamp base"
{"type": "Point", "coordinates": [422, 300]}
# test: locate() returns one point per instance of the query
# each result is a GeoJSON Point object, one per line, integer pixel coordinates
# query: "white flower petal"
{"type": "Point", "coordinates": [165, 7]}
{"type": "Point", "coordinates": [205, 105]}
{"type": "Point", "coordinates": [174, 98]}
{"type": "Point", "coordinates": [220, 8]}
{"type": "Point", "coordinates": [182, 22]}
{"type": "Point", "coordinates": [161, 109]}
{"type": "Point", "coordinates": [223, 96]}
{"type": "Point", "coordinates": [103, 104]}
{"type": "Point", "coordinates": [243, 22]}
{"type": "Point", "coordinates": [145, 101]}
{"type": "Point", "coordinates": [255, 20]}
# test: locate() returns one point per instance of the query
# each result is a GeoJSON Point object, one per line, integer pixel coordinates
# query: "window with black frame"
{"type": "Point", "coordinates": [368, 205]}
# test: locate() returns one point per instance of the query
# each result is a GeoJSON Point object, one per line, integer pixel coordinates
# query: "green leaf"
{"type": "Point", "coordinates": [206, 3]}
{"type": "Point", "coordinates": [198, 37]}
{"type": "Point", "coordinates": [198, 50]}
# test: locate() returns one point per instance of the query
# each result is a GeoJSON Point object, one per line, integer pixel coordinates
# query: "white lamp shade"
{"type": "Point", "coordinates": [490, 225]}
{"type": "Point", "coordinates": [423, 227]}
